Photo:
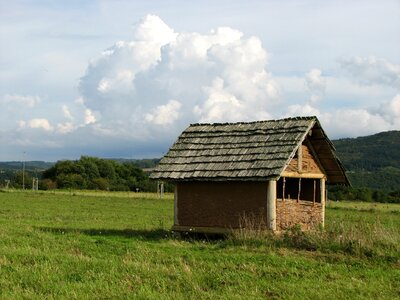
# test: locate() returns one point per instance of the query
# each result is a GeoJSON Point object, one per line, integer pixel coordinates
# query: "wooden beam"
{"type": "Point", "coordinates": [300, 158]}
{"type": "Point", "coordinates": [271, 205]}
{"type": "Point", "coordinates": [302, 175]}
{"type": "Point", "coordinates": [199, 229]}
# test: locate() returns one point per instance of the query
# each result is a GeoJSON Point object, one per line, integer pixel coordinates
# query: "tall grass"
{"type": "Point", "coordinates": [364, 238]}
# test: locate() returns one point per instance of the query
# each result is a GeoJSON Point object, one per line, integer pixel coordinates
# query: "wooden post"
{"type": "Point", "coordinates": [298, 194]}
{"type": "Point", "coordinates": [313, 199]}
{"type": "Point", "coordinates": [300, 158]}
{"type": "Point", "coordinates": [176, 221]}
{"type": "Point", "coordinates": [271, 205]}
{"type": "Point", "coordinates": [160, 189]}
{"type": "Point", "coordinates": [283, 188]}
{"type": "Point", "coordinates": [322, 188]}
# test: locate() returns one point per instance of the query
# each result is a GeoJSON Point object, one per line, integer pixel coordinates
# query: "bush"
{"type": "Point", "coordinates": [47, 184]}
{"type": "Point", "coordinates": [101, 184]}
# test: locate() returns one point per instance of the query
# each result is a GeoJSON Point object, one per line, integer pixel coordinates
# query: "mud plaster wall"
{"type": "Point", "coordinates": [291, 212]}
{"type": "Point", "coordinates": [308, 163]}
{"type": "Point", "coordinates": [220, 204]}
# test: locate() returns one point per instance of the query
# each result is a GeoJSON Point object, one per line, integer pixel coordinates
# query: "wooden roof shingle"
{"type": "Point", "coordinates": [245, 151]}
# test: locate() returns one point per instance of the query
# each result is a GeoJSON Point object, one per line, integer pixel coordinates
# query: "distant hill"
{"type": "Point", "coordinates": [372, 161]}
{"type": "Point", "coordinates": [370, 153]}
{"type": "Point", "coordinates": [145, 163]}
{"type": "Point", "coordinates": [11, 170]}
{"type": "Point", "coordinates": [29, 165]}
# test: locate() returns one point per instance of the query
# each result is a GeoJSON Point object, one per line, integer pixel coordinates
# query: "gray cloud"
{"type": "Point", "coordinates": [373, 70]}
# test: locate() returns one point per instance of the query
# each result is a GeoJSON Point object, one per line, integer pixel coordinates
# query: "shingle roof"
{"type": "Point", "coordinates": [235, 151]}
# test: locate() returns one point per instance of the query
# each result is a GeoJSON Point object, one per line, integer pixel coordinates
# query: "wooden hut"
{"type": "Point", "coordinates": [271, 172]}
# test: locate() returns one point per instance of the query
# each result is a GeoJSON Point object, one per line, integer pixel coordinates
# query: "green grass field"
{"type": "Point", "coordinates": [81, 245]}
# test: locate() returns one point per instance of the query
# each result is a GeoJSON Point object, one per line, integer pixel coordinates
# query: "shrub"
{"type": "Point", "coordinates": [47, 184]}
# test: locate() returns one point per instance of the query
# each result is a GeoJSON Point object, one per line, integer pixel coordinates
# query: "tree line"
{"type": "Point", "coordinates": [96, 173]}
{"type": "Point", "coordinates": [87, 173]}
{"type": "Point", "coordinates": [363, 194]}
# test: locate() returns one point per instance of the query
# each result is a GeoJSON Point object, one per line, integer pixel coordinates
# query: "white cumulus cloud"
{"type": "Point", "coordinates": [390, 110]}
{"type": "Point", "coordinates": [89, 117]}
{"type": "Point", "coordinates": [165, 114]}
{"type": "Point", "coordinates": [67, 112]}
{"type": "Point", "coordinates": [217, 76]}
{"type": "Point", "coordinates": [39, 124]}
{"type": "Point", "coordinates": [373, 70]}
{"type": "Point", "coordinates": [26, 101]}
{"type": "Point", "coordinates": [66, 127]}
{"type": "Point", "coordinates": [352, 122]}
{"type": "Point", "coordinates": [316, 84]}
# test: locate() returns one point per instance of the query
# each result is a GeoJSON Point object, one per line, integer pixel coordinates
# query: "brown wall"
{"type": "Point", "coordinates": [220, 204]}
{"type": "Point", "coordinates": [291, 212]}
{"type": "Point", "coordinates": [309, 163]}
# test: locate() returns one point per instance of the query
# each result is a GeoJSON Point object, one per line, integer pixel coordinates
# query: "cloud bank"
{"type": "Point", "coordinates": [348, 121]}
{"type": "Point", "coordinates": [166, 78]}
{"type": "Point", "coordinates": [373, 70]}
{"type": "Point", "coordinates": [141, 93]}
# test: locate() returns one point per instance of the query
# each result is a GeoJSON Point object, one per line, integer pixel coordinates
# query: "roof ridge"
{"type": "Point", "coordinates": [298, 118]}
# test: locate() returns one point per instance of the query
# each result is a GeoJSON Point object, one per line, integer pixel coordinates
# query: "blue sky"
{"type": "Point", "coordinates": [124, 78]}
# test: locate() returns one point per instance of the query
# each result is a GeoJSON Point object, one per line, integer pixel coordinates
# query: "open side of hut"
{"type": "Point", "coordinates": [271, 174]}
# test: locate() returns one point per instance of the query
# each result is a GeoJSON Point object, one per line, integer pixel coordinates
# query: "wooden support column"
{"type": "Point", "coordinates": [300, 159]}
{"type": "Point", "coordinates": [176, 221]}
{"type": "Point", "coordinates": [314, 190]}
{"type": "Point", "coordinates": [322, 188]}
{"type": "Point", "coordinates": [271, 205]}
{"type": "Point", "coordinates": [299, 191]}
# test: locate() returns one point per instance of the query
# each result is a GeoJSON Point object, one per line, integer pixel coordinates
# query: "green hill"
{"type": "Point", "coordinates": [29, 165]}
{"type": "Point", "coordinates": [370, 153]}
{"type": "Point", "coordinates": [372, 164]}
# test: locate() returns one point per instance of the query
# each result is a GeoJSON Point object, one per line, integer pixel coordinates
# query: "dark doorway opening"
{"type": "Point", "coordinates": [305, 189]}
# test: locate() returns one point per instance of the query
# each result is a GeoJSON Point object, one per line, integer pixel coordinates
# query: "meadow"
{"type": "Point", "coordinates": [103, 245]}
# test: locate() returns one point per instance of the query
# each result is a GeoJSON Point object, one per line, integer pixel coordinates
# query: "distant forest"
{"type": "Point", "coordinates": [372, 164]}
{"type": "Point", "coordinates": [373, 167]}
{"type": "Point", "coordinates": [85, 173]}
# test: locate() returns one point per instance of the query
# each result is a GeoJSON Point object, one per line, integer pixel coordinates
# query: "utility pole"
{"type": "Point", "coordinates": [23, 172]}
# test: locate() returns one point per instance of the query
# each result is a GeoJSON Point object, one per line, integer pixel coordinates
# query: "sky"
{"type": "Point", "coordinates": [122, 79]}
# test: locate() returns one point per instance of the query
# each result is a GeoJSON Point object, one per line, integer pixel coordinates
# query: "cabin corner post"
{"type": "Point", "coordinates": [323, 200]}
{"type": "Point", "coordinates": [176, 222]}
{"type": "Point", "coordinates": [271, 204]}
